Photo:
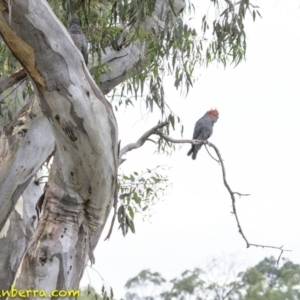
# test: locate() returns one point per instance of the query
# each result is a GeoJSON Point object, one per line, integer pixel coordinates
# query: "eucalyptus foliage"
{"type": "Point", "coordinates": [138, 192]}
{"type": "Point", "coordinates": [177, 51]}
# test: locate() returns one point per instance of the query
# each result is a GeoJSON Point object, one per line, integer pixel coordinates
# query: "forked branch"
{"type": "Point", "coordinates": [141, 141]}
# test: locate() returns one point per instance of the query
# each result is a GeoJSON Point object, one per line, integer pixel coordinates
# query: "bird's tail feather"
{"type": "Point", "coordinates": [194, 155]}
{"type": "Point", "coordinates": [195, 152]}
{"type": "Point", "coordinates": [191, 150]}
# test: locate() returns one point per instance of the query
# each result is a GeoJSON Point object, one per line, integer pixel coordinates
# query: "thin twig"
{"type": "Point", "coordinates": [280, 256]}
{"type": "Point", "coordinates": [210, 154]}
{"type": "Point", "coordinates": [115, 206]}
{"type": "Point", "coordinates": [237, 193]}
{"type": "Point", "coordinates": [115, 203]}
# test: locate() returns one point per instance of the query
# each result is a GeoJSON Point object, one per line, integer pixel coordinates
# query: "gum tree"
{"type": "Point", "coordinates": [63, 116]}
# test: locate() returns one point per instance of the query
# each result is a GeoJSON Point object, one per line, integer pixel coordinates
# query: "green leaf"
{"type": "Point", "coordinates": [156, 180]}
{"type": "Point", "coordinates": [131, 225]}
{"type": "Point", "coordinates": [123, 196]}
{"type": "Point", "coordinates": [258, 13]}
{"type": "Point", "coordinates": [136, 198]}
{"type": "Point", "coordinates": [131, 213]}
{"type": "Point", "coordinates": [121, 213]}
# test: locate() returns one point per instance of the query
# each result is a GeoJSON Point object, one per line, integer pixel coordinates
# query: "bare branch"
{"type": "Point", "coordinates": [230, 192]}
{"type": "Point", "coordinates": [168, 138]}
{"type": "Point", "coordinates": [234, 206]}
{"type": "Point", "coordinates": [145, 137]}
{"type": "Point", "coordinates": [140, 142]}
{"type": "Point", "coordinates": [155, 130]}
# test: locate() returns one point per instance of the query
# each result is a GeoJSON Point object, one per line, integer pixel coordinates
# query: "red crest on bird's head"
{"type": "Point", "coordinates": [214, 114]}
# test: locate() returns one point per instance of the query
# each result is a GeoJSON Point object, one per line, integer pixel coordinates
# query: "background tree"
{"type": "Point", "coordinates": [266, 281]}
{"type": "Point", "coordinates": [142, 282]}
{"type": "Point", "coordinates": [89, 293]}
{"type": "Point", "coordinates": [65, 117]}
{"type": "Point", "coordinates": [222, 282]}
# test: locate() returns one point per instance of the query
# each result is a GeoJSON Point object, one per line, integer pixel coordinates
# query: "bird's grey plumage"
{"type": "Point", "coordinates": [79, 38]}
{"type": "Point", "coordinates": [203, 130]}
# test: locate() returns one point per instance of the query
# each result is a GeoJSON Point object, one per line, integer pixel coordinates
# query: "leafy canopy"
{"type": "Point", "coordinates": [264, 281]}
{"type": "Point", "coordinates": [177, 50]}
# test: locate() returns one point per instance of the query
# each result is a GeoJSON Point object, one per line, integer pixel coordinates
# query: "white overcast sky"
{"type": "Point", "coordinates": [258, 136]}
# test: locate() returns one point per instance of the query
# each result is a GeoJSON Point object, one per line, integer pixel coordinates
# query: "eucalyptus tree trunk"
{"type": "Point", "coordinates": [79, 192]}
{"type": "Point", "coordinates": [68, 115]}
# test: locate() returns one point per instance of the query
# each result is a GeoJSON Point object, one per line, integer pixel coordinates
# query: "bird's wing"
{"type": "Point", "coordinates": [198, 128]}
{"type": "Point", "coordinates": [85, 49]}
{"type": "Point", "coordinates": [76, 39]}
{"type": "Point", "coordinates": [203, 129]}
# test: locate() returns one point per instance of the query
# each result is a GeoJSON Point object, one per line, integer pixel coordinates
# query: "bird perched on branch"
{"type": "Point", "coordinates": [79, 38]}
{"type": "Point", "coordinates": [203, 130]}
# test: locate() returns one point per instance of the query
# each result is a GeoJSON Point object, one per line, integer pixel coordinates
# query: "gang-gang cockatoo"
{"type": "Point", "coordinates": [203, 130]}
{"type": "Point", "coordinates": [79, 38]}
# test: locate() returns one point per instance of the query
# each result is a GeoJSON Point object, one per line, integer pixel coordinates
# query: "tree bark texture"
{"type": "Point", "coordinates": [16, 233]}
{"type": "Point", "coordinates": [79, 193]}
{"type": "Point", "coordinates": [68, 110]}
{"type": "Point", "coordinates": [24, 146]}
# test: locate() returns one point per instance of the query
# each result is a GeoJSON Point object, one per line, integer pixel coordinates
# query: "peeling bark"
{"type": "Point", "coordinates": [24, 146]}
{"type": "Point", "coordinates": [16, 234]}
